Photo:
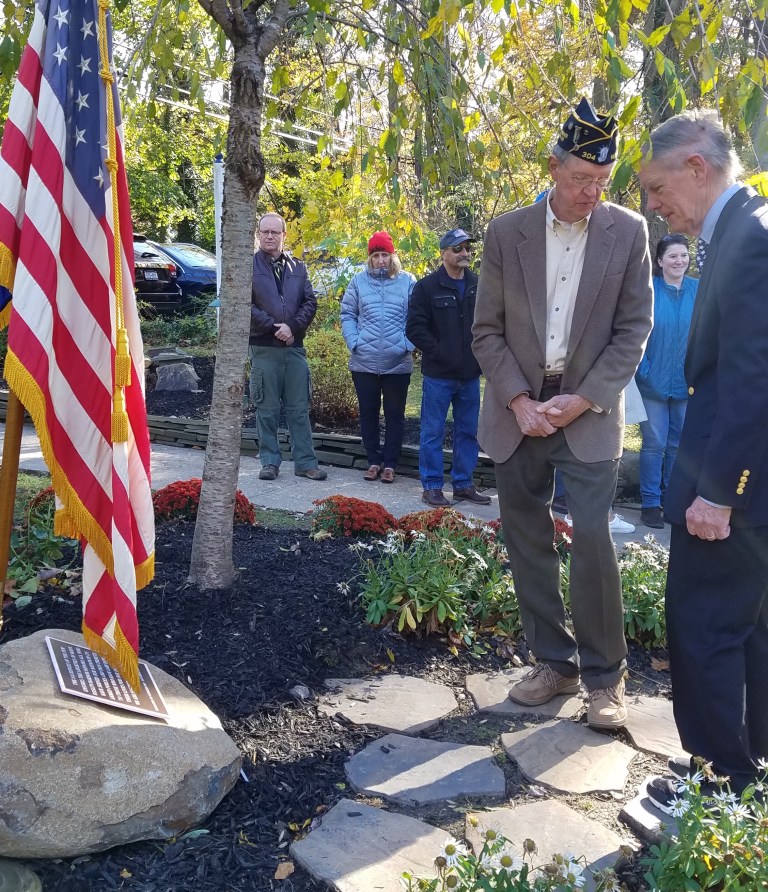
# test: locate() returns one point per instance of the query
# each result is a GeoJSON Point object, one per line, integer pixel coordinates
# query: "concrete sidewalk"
{"type": "Point", "coordinates": [296, 494]}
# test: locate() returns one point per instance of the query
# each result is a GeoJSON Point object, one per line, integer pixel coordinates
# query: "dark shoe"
{"type": "Point", "coordinates": [372, 473]}
{"type": "Point", "coordinates": [606, 707]}
{"type": "Point", "coordinates": [560, 505]}
{"type": "Point", "coordinates": [312, 474]}
{"type": "Point", "coordinates": [435, 498]}
{"type": "Point", "coordinates": [541, 684]}
{"type": "Point", "coordinates": [269, 472]}
{"type": "Point", "coordinates": [683, 767]}
{"type": "Point", "coordinates": [388, 475]}
{"type": "Point", "coordinates": [471, 495]}
{"type": "Point", "coordinates": [664, 795]}
{"type": "Point", "coordinates": [651, 517]}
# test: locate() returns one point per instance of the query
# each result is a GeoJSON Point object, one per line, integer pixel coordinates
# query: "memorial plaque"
{"type": "Point", "coordinates": [85, 674]}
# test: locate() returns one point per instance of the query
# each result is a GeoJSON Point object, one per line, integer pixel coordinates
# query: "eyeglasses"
{"type": "Point", "coordinates": [457, 249]}
{"type": "Point", "coordinates": [582, 181]}
{"type": "Point", "coordinates": [274, 232]}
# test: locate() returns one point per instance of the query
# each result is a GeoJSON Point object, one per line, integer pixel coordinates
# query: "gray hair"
{"type": "Point", "coordinates": [271, 214]}
{"type": "Point", "coordinates": [699, 132]}
{"type": "Point", "coordinates": [561, 154]}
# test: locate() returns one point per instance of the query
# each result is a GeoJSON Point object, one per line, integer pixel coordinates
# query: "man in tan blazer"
{"type": "Point", "coordinates": [564, 309]}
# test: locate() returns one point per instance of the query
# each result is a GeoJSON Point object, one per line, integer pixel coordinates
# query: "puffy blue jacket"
{"type": "Point", "coordinates": [661, 375]}
{"type": "Point", "coordinates": [373, 313]}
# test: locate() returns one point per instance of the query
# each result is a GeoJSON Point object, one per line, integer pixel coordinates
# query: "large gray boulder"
{"type": "Point", "coordinates": [78, 777]}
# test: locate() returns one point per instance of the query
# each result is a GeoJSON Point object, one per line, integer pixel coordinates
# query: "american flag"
{"type": "Point", "coordinates": [63, 200]}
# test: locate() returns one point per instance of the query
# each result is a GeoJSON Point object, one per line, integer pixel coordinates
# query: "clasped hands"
{"type": "Point", "coordinates": [283, 333]}
{"type": "Point", "coordinates": [543, 419]}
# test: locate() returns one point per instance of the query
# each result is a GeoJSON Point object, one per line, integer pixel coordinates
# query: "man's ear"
{"type": "Point", "coordinates": [698, 166]}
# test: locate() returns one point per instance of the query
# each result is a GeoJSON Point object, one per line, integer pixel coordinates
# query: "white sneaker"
{"type": "Point", "coordinates": [617, 525]}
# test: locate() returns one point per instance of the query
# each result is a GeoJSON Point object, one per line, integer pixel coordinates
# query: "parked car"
{"type": "Point", "coordinates": [196, 270]}
{"type": "Point", "coordinates": [329, 275]}
{"type": "Point", "coordinates": [156, 286]}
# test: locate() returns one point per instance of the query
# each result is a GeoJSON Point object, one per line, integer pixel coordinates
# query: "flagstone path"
{"type": "Point", "coordinates": [360, 847]}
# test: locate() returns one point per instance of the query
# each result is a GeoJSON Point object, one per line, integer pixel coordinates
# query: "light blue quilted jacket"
{"type": "Point", "coordinates": [373, 313]}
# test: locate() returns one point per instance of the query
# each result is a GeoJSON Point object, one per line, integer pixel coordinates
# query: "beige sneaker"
{"type": "Point", "coordinates": [606, 707]}
{"type": "Point", "coordinates": [541, 684]}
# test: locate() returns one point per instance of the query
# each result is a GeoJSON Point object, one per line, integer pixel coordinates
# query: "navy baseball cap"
{"type": "Point", "coordinates": [455, 237]}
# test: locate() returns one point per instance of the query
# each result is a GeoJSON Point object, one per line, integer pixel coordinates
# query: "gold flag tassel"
{"type": "Point", "coordinates": [122, 352]}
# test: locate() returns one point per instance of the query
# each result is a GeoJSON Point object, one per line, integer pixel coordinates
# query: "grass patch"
{"type": "Point", "coordinates": [28, 485]}
{"type": "Point", "coordinates": [278, 518]}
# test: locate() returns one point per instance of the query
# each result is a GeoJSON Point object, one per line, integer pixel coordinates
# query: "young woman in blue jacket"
{"type": "Point", "coordinates": [373, 313]}
{"type": "Point", "coordinates": [661, 376]}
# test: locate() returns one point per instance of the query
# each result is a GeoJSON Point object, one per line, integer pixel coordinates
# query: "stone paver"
{"type": "Point", "coordinates": [411, 770]}
{"type": "Point", "coordinates": [358, 848]}
{"type": "Point", "coordinates": [391, 702]}
{"type": "Point", "coordinates": [489, 691]}
{"type": "Point", "coordinates": [569, 757]}
{"type": "Point", "coordinates": [555, 828]}
{"type": "Point", "coordinates": [644, 819]}
{"type": "Point", "coordinates": [651, 725]}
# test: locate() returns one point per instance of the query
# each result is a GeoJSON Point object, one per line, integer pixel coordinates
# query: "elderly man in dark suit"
{"type": "Point", "coordinates": [717, 499]}
{"type": "Point", "coordinates": [563, 312]}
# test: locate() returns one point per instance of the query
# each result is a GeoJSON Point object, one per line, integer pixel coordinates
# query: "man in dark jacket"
{"type": "Point", "coordinates": [283, 304]}
{"type": "Point", "coordinates": [440, 316]}
{"type": "Point", "coordinates": [717, 500]}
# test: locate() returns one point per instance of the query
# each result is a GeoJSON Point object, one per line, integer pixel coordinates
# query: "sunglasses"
{"type": "Point", "coordinates": [457, 249]}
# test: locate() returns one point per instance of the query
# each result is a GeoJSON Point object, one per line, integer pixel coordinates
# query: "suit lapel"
{"type": "Point", "coordinates": [734, 204]}
{"type": "Point", "coordinates": [597, 253]}
{"type": "Point", "coordinates": [533, 262]}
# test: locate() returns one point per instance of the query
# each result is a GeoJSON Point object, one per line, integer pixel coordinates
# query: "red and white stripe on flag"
{"type": "Point", "coordinates": [57, 278]}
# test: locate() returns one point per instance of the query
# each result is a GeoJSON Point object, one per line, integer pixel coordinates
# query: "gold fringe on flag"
{"type": "Point", "coordinates": [74, 520]}
{"type": "Point", "coordinates": [121, 657]}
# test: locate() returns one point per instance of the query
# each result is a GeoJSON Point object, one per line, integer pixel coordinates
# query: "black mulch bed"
{"type": "Point", "coordinates": [198, 405]}
{"type": "Point", "coordinates": [284, 623]}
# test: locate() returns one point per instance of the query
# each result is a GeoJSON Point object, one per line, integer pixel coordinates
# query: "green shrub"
{"type": "Point", "coordinates": [195, 330]}
{"type": "Point", "coordinates": [720, 843]}
{"type": "Point", "coordinates": [334, 400]}
{"type": "Point", "coordinates": [450, 581]}
{"type": "Point", "coordinates": [643, 569]}
{"type": "Point", "coordinates": [328, 314]}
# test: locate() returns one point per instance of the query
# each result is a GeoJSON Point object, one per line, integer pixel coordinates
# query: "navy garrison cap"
{"type": "Point", "coordinates": [589, 136]}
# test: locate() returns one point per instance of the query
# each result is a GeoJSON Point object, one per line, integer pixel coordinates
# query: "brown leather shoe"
{"type": "Point", "coordinates": [435, 498]}
{"type": "Point", "coordinates": [471, 495]}
{"type": "Point", "coordinates": [541, 684]}
{"type": "Point", "coordinates": [269, 472]}
{"type": "Point", "coordinates": [388, 475]}
{"type": "Point", "coordinates": [372, 473]}
{"type": "Point", "coordinates": [606, 707]}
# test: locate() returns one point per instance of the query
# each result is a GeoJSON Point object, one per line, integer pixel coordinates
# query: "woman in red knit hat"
{"type": "Point", "coordinates": [373, 313]}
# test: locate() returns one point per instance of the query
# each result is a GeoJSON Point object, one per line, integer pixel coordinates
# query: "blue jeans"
{"type": "Point", "coordinates": [661, 437]}
{"type": "Point", "coordinates": [438, 394]}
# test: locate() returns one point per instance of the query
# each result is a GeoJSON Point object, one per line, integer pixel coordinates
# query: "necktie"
{"type": "Point", "coordinates": [701, 253]}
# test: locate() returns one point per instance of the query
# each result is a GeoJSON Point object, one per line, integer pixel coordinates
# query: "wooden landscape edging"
{"type": "Point", "coordinates": [339, 450]}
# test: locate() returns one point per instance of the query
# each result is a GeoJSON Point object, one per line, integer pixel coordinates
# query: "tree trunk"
{"type": "Point", "coordinates": [212, 566]}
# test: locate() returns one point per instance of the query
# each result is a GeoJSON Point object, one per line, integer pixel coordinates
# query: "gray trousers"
{"type": "Point", "coordinates": [525, 484]}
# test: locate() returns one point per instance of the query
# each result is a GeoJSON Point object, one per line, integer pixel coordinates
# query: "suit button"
{"type": "Point", "coordinates": [745, 472]}
{"type": "Point", "coordinates": [690, 391]}
{"type": "Point", "coordinates": [742, 480]}
{"type": "Point", "coordinates": [739, 490]}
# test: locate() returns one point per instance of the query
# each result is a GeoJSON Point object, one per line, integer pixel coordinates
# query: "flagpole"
{"type": "Point", "coordinates": [9, 472]}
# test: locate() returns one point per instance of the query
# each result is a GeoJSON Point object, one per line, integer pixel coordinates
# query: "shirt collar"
{"type": "Point", "coordinates": [552, 219]}
{"type": "Point", "coordinates": [713, 214]}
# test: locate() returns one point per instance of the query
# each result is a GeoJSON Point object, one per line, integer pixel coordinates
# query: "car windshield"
{"type": "Point", "coordinates": [193, 255]}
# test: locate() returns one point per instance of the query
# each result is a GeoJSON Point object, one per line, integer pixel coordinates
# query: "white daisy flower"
{"type": "Point", "coordinates": [680, 807]}
{"type": "Point", "coordinates": [725, 798]}
{"type": "Point", "coordinates": [762, 764]}
{"type": "Point", "coordinates": [343, 587]}
{"type": "Point", "coordinates": [694, 779]}
{"type": "Point", "coordinates": [738, 811]}
{"type": "Point", "coordinates": [452, 851]}
{"type": "Point", "coordinates": [507, 862]}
